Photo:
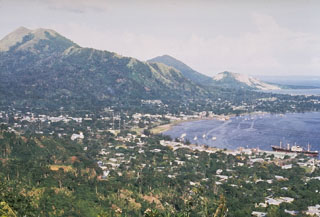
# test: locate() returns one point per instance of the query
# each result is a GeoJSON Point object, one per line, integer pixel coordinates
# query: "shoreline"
{"type": "Point", "coordinates": [166, 127]}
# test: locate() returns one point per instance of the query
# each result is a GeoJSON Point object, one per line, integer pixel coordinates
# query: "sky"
{"type": "Point", "coordinates": [254, 37]}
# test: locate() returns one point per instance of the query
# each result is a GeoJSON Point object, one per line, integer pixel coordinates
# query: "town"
{"type": "Point", "coordinates": [232, 170]}
{"type": "Point", "coordinates": [131, 147]}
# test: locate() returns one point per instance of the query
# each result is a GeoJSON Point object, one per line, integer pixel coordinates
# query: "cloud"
{"type": "Point", "coordinates": [269, 49]}
{"type": "Point", "coordinates": [71, 10]}
{"type": "Point", "coordinates": [87, 5]}
{"type": "Point", "coordinates": [73, 6]}
{"type": "Point", "coordinates": [213, 39]}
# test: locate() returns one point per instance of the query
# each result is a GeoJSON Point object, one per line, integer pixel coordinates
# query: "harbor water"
{"type": "Point", "coordinates": [253, 131]}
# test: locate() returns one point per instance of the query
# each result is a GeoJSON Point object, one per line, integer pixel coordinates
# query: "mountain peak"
{"type": "Point", "coordinates": [187, 71]}
{"type": "Point", "coordinates": [166, 56]}
{"type": "Point", "coordinates": [13, 38]}
{"type": "Point", "coordinates": [170, 61]}
{"type": "Point", "coordinates": [41, 33]}
{"type": "Point", "coordinates": [22, 29]}
{"type": "Point", "coordinates": [26, 39]}
{"type": "Point", "coordinates": [227, 78]}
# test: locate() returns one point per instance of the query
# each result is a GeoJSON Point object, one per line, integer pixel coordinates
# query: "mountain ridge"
{"type": "Point", "coordinates": [23, 39]}
{"type": "Point", "coordinates": [224, 79]}
{"type": "Point", "coordinates": [187, 71]}
{"type": "Point", "coordinates": [45, 67]}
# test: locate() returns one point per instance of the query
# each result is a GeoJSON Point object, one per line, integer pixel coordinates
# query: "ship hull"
{"type": "Point", "coordinates": [308, 153]}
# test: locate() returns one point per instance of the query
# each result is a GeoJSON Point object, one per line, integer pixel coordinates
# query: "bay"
{"type": "Point", "coordinates": [253, 131]}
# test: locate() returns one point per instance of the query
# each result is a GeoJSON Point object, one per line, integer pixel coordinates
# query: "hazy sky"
{"type": "Point", "coordinates": [257, 37]}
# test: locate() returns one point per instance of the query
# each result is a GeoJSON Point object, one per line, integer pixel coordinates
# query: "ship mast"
{"type": "Point", "coordinates": [119, 121]}
{"type": "Point", "coordinates": [113, 120]}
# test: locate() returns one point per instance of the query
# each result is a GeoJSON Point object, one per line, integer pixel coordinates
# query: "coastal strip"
{"type": "Point", "coordinates": [166, 127]}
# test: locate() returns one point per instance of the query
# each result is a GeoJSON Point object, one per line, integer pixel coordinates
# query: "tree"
{"type": "Point", "coordinates": [273, 211]}
{"type": "Point", "coordinates": [6, 211]}
{"type": "Point", "coordinates": [222, 209]}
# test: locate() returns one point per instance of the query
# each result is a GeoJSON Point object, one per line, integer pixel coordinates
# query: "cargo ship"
{"type": "Point", "coordinates": [295, 149]}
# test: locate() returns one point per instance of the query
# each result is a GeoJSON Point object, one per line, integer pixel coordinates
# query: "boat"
{"type": "Point", "coordinates": [204, 136]}
{"type": "Point", "coordinates": [214, 138]}
{"type": "Point", "coordinates": [183, 135]}
{"type": "Point", "coordinates": [295, 149]}
{"type": "Point", "coordinates": [195, 138]}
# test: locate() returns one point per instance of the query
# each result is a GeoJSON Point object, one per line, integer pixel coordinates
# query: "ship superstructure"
{"type": "Point", "coordinates": [295, 149]}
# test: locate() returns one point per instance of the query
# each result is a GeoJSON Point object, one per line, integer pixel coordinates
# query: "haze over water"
{"type": "Point", "coordinates": [307, 92]}
{"type": "Point", "coordinates": [253, 131]}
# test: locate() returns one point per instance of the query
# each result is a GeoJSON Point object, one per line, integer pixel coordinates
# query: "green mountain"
{"type": "Point", "coordinates": [223, 80]}
{"type": "Point", "coordinates": [188, 72]}
{"type": "Point", "coordinates": [41, 67]}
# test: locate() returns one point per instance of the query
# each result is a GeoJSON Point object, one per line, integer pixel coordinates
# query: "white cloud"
{"type": "Point", "coordinates": [260, 43]}
{"type": "Point", "coordinates": [270, 49]}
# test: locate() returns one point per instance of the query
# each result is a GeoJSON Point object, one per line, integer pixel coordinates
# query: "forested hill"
{"type": "Point", "coordinates": [187, 71]}
{"type": "Point", "coordinates": [42, 176]}
{"type": "Point", "coordinates": [221, 80]}
{"type": "Point", "coordinates": [44, 69]}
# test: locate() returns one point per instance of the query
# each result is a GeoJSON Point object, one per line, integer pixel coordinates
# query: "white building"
{"type": "Point", "coordinates": [77, 136]}
{"type": "Point", "coordinates": [313, 210]}
{"type": "Point", "coordinates": [258, 214]}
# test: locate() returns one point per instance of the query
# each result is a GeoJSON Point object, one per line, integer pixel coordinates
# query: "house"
{"type": "Point", "coordinates": [179, 162]}
{"type": "Point", "coordinates": [280, 178]}
{"type": "Point", "coordinates": [105, 174]}
{"type": "Point", "coordinates": [77, 136]}
{"type": "Point", "coordinates": [286, 167]}
{"type": "Point", "coordinates": [258, 214]}
{"type": "Point", "coordinates": [278, 201]}
{"type": "Point", "coordinates": [291, 212]}
{"type": "Point", "coordinates": [257, 160]}
{"type": "Point", "coordinates": [222, 178]}
{"type": "Point", "coordinates": [155, 150]}
{"type": "Point", "coordinates": [286, 199]}
{"type": "Point", "coordinates": [261, 205]}
{"type": "Point", "coordinates": [219, 171]}
{"type": "Point", "coordinates": [313, 210]}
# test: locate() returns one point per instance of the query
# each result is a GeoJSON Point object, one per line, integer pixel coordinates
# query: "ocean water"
{"type": "Point", "coordinates": [308, 92]}
{"type": "Point", "coordinates": [253, 131]}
